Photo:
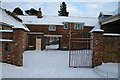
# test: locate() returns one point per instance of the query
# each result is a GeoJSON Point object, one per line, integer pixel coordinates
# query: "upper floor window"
{"type": "Point", "coordinates": [65, 25]}
{"type": "Point", "coordinates": [79, 26]}
{"type": "Point", "coordinates": [52, 28]}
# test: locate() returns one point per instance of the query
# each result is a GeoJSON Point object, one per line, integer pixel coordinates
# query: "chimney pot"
{"type": "Point", "coordinates": [40, 9]}
{"type": "Point", "coordinates": [39, 13]}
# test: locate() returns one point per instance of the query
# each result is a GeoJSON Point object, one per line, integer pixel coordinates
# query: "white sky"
{"type": "Point", "coordinates": [74, 7]}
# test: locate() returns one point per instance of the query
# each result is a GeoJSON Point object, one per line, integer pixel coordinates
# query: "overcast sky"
{"type": "Point", "coordinates": [84, 9]}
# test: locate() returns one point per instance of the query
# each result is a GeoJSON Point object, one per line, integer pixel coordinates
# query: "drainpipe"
{"type": "Point", "coordinates": [69, 44]}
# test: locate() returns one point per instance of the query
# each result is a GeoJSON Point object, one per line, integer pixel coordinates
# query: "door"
{"type": "Point", "coordinates": [38, 43]}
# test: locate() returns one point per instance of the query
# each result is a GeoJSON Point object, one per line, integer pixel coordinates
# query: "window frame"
{"type": "Point", "coordinates": [51, 29]}
{"type": "Point", "coordinates": [79, 26]}
{"type": "Point", "coordinates": [65, 26]}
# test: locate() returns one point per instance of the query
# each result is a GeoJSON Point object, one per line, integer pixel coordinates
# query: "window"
{"type": "Point", "coordinates": [51, 28]}
{"type": "Point", "coordinates": [65, 25]}
{"type": "Point", "coordinates": [7, 47]}
{"type": "Point", "coordinates": [0, 27]}
{"type": "Point", "coordinates": [79, 26]}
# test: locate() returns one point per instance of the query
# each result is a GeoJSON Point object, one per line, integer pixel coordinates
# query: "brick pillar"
{"type": "Point", "coordinates": [18, 52]}
{"type": "Point", "coordinates": [97, 48]}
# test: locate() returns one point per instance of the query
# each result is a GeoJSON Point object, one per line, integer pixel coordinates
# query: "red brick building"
{"type": "Point", "coordinates": [106, 38]}
{"type": "Point", "coordinates": [44, 27]}
{"type": "Point", "coordinates": [19, 33]}
{"type": "Point", "coordinates": [13, 38]}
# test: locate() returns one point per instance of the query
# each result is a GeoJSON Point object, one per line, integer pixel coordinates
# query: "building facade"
{"type": "Point", "coordinates": [110, 21]}
{"type": "Point", "coordinates": [44, 27]}
{"type": "Point", "coordinates": [13, 38]}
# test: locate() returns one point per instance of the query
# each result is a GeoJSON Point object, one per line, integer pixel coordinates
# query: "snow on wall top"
{"type": "Point", "coordinates": [111, 34]}
{"type": "Point", "coordinates": [56, 20]}
{"type": "Point", "coordinates": [5, 40]}
{"type": "Point", "coordinates": [107, 13]}
{"type": "Point", "coordinates": [97, 28]}
{"type": "Point", "coordinates": [5, 18]}
{"type": "Point", "coordinates": [6, 30]}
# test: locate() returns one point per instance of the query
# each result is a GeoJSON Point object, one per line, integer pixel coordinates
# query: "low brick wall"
{"type": "Point", "coordinates": [12, 52]}
{"type": "Point", "coordinates": [105, 49]}
{"type": "Point", "coordinates": [111, 49]}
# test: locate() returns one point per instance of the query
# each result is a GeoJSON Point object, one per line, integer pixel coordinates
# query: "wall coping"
{"type": "Point", "coordinates": [35, 33]}
{"type": "Point", "coordinates": [111, 34]}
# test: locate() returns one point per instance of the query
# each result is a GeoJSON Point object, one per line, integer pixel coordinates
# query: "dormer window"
{"type": "Point", "coordinates": [78, 26]}
{"type": "Point", "coordinates": [52, 28]}
{"type": "Point", "coordinates": [65, 25]}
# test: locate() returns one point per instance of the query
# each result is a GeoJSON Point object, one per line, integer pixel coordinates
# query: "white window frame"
{"type": "Point", "coordinates": [79, 26]}
{"type": "Point", "coordinates": [65, 26]}
{"type": "Point", "coordinates": [52, 29]}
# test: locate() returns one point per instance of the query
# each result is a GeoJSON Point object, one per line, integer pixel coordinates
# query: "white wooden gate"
{"type": "Point", "coordinates": [80, 54]}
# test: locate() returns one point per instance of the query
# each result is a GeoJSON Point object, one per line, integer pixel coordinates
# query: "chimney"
{"type": "Point", "coordinates": [29, 13]}
{"type": "Point", "coordinates": [39, 13]}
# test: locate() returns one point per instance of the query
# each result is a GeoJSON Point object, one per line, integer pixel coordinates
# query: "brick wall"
{"type": "Point", "coordinates": [7, 35]}
{"type": "Point", "coordinates": [17, 47]}
{"type": "Point", "coordinates": [64, 40]}
{"type": "Point", "coordinates": [111, 49]}
{"type": "Point", "coordinates": [21, 38]}
{"type": "Point", "coordinates": [12, 56]}
{"type": "Point", "coordinates": [7, 56]}
{"type": "Point", "coordinates": [105, 49]}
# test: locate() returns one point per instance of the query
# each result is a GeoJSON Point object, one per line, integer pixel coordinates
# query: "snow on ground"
{"type": "Point", "coordinates": [46, 64]}
{"type": "Point", "coordinates": [108, 70]}
{"type": "Point", "coordinates": [51, 47]}
{"type": "Point", "coordinates": [0, 71]}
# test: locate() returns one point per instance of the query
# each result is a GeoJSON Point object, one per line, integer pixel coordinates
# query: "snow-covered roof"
{"type": "Point", "coordinates": [107, 13]}
{"type": "Point", "coordinates": [56, 20]}
{"type": "Point", "coordinates": [5, 18]}
{"type": "Point", "coordinates": [97, 28]}
{"type": "Point", "coordinates": [112, 13]}
{"type": "Point", "coordinates": [117, 11]}
{"type": "Point", "coordinates": [6, 30]}
{"type": "Point", "coordinates": [5, 40]}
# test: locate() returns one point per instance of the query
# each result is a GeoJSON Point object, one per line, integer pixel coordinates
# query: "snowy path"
{"type": "Point", "coordinates": [52, 47]}
{"type": "Point", "coordinates": [108, 70]}
{"type": "Point", "coordinates": [46, 64]}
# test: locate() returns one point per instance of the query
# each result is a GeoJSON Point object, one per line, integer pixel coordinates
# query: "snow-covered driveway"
{"type": "Point", "coordinates": [46, 64]}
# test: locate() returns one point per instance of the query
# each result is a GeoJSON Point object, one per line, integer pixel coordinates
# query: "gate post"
{"type": "Point", "coordinates": [97, 48]}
